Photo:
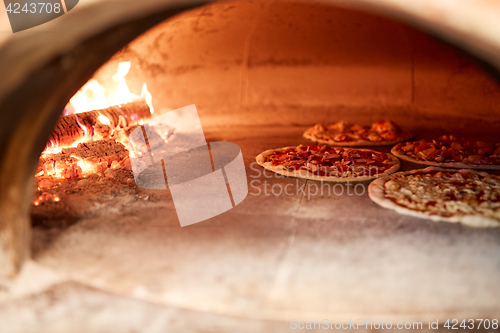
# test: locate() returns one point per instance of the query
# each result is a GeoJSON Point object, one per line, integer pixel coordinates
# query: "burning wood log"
{"type": "Point", "coordinates": [85, 159]}
{"type": "Point", "coordinates": [96, 124]}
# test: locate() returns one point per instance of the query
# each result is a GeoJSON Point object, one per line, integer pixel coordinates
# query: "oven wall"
{"type": "Point", "coordinates": [297, 63]}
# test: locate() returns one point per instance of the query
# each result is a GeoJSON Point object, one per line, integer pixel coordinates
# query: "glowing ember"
{"type": "Point", "coordinates": [45, 197]}
{"type": "Point", "coordinates": [85, 159]}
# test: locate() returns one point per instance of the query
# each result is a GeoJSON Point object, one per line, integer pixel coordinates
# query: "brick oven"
{"type": "Point", "coordinates": [259, 73]}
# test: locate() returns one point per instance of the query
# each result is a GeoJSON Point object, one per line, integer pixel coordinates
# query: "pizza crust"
{"type": "Point", "coordinates": [376, 192]}
{"type": "Point", "coordinates": [304, 174]}
{"type": "Point", "coordinates": [309, 134]}
{"type": "Point", "coordinates": [455, 165]}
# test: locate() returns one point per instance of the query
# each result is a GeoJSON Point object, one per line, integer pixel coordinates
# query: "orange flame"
{"type": "Point", "coordinates": [93, 96]}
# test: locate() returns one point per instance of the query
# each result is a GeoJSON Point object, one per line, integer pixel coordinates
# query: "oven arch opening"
{"type": "Point", "coordinates": [264, 82]}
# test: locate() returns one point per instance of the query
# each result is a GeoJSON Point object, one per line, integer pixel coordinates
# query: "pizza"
{"type": "Point", "coordinates": [448, 151]}
{"type": "Point", "coordinates": [326, 163]}
{"type": "Point", "coordinates": [342, 133]}
{"type": "Point", "coordinates": [467, 196]}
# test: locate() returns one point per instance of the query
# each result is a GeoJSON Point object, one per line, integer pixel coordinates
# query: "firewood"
{"type": "Point", "coordinates": [99, 156]}
{"type": "Point", "coordinates": [84, 126]}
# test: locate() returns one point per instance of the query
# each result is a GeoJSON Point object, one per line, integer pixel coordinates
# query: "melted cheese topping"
{"type": "Point", "coordinates": [446, 193]}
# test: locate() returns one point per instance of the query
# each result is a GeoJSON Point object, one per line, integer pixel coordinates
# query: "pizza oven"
{"type": "Point", "coordinates": [260, 73]}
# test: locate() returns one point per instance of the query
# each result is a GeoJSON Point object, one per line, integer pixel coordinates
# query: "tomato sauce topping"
{"type": "Point", "coordinates": [331, 161]}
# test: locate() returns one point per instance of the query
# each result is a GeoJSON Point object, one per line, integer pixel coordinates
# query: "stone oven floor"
{"type": "Point", "coordinates": [122, 263]}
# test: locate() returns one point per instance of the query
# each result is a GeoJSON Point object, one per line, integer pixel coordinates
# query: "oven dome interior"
{"type": "Point", "coordinates": [286, 63]}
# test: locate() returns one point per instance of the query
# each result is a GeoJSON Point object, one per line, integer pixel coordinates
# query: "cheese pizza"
{"type": "Point", "coordinates": [467, 196]}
